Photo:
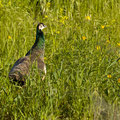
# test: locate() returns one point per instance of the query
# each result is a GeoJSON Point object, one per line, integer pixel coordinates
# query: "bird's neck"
{"type": "Point", "coordinates": [38, 45]}
{"type": "Point", "coordinates": [40, 40]}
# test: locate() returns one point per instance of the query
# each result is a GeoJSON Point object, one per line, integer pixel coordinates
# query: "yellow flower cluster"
{"type": "Point", "coordinates": [46, 16]}
{"type": "Point", "coordinates": [118, 44]}
{"type": "Point", "coordinates": [118, 80]}
{"type": "Point", "coordinates": [63, 19]}
{"type": "Point", "coordinates": [58, 32]}
{"type": "Point", "coordinates": [9, 37]}
{"type": "Point", "coordinates": [88, 18]}
{"type": "Point", "coordinates": [108, 41]}
{"type": "Point", "coordinates": [84, 38]}
{"type": "Point", "coordinates": [98, 47]}
{"type": "Point", "coordinates": [109, 76]}
{"type": "Point", "coordinates": [102, 26]}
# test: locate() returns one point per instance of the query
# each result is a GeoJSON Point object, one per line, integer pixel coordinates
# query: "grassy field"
{"type": "Point", "coordinates": [81, 54]}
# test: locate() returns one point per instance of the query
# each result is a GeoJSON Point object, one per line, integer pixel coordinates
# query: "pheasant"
{"type": "Point", "coordinates": [36, 54]}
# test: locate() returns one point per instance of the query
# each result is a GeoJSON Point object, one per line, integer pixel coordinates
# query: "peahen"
{"type": "Point", "coordinates": [36, 54]}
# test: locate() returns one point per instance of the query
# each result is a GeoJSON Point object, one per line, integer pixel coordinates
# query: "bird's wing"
{"type": "Point", "coordinates": [20, 68]}
{"type": "Point", "coordinates": [41, 63]}
{"type": "Point", "coordinates": [41, 66]}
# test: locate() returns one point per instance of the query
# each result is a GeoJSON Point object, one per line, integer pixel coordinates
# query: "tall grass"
{"type": "Point", "coordinates": [81, 52]}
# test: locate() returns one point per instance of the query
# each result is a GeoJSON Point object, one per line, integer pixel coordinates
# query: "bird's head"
{"type": "Point", "coordinates": [41, 26]}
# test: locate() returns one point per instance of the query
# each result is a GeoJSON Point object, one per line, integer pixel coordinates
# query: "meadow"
{"type": "Point", "coordinates": [82, 50]}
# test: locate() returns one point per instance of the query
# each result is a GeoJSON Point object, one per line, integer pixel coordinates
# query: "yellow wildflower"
{"type": "Point", "coordinates": [108, 41]}
{"type": "Point", "coordinates": [58, 32]}
{"type": "Point", "coordinates": [87, 18]}
{"type": "Point", "coordinates": [102, 26]}
{"type": "Point", "coordinates": [63, 19]}
{"type": "Point", "coordinates": [9, 37]}
{"type": "Point", "coordinates": [84, 38]}
{"type": "Point", "coordinates": [98, 47]}
{"type": "Point", "coordinates": [48, 4]}
{"type": "Point", "coordinates": [118, 80]}
{"type": "Point", "coordinates": [109, 76]}
{"type": "Point", "coordinates": [118, 44]}
{"type": "Point", "coordinates": [46, 16]}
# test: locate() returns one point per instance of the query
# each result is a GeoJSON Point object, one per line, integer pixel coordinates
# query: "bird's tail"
{"type": "Point", "coordinates": [16, 78]}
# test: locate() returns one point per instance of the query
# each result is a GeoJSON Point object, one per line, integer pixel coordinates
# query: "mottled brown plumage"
{"type": "Point", "coordinates": [36, 53]}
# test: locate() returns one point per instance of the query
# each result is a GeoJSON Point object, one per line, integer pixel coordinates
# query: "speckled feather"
{"type": "Point", "coordinates": [20, 68]}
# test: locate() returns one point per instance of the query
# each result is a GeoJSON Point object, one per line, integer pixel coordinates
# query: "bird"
{"type": "Point", "coordinates": [36, 54]}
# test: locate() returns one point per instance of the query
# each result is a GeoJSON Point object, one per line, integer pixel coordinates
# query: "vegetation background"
{"type": "Point", "coordinates": [81, 54]}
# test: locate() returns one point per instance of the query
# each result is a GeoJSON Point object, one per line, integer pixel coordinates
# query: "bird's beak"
{"type": "Point", "coordinates": [45, 26]}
